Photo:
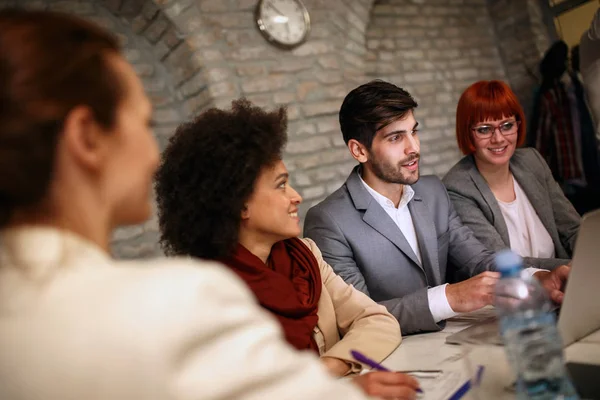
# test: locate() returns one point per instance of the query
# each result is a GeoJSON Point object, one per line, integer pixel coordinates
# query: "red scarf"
{"type": "Point", "coordinates": [289, 286]}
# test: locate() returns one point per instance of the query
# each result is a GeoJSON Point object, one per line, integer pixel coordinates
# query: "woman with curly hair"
{"type": "Point", "coordinates": [223, 194]}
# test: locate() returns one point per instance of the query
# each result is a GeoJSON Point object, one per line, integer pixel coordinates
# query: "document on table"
{"type": "Point", "coordinates": [441, 386]}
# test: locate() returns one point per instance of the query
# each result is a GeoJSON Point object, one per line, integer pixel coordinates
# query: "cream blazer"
{"type": "Point", "coordinates": [351, 320]}
{"type": "Point", "coordinates": [78, 325]}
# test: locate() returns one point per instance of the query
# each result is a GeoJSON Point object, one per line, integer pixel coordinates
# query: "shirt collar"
{"type": "Point", "coordinates": [53, 248]}
{"type": "Point", "coordinates": [407, 194]}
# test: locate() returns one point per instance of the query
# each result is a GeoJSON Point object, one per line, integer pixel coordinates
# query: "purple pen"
{"type": "Point", "coordinates": [361, 358]}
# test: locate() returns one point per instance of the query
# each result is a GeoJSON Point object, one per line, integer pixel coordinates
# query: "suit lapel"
{"type": "Point", "coordinates": [376, 217]}
{"type": "Point", "coordinates": [535, 192]}
{"type": "Point", "coordinates": [490, 199]}
{"type": "Point", "coordinates": [379, 220]}
{"type": "Point", "coordinates": [427, 239]}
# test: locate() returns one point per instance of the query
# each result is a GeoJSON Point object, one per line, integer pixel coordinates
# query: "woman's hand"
{"type": "Point", "coordinates": [335, 366]}
{"type": "Point", "coordinates": [388, 385]}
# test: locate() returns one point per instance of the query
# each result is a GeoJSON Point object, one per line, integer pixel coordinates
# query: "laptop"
{"type": "Point", "coordinates": [579, 313]}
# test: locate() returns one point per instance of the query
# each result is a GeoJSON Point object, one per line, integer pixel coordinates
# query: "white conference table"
{"type": "Point", "coordinates": [429, 351]}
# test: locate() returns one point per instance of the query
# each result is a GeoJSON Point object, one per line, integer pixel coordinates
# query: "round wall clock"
{"type": "Point", "coordinates": [284, 23]}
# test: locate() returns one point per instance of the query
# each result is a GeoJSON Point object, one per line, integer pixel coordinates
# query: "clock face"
{"type": "Point", "coordinates": [284, 22]}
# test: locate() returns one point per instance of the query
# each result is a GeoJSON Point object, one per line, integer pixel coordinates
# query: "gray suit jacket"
{"type": "Point", "coordinates": [479, 210]}
{"type": "Point", "coordinates": [366, 248]}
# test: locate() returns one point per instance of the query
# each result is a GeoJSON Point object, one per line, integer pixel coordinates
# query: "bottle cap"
{"type": "Point", "coordinates": [507, 260]}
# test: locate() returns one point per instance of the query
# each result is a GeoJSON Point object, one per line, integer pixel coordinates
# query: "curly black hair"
{"type": "Point", "coordinates": [208, 172]}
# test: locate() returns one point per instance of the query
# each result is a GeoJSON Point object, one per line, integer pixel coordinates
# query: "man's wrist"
{"type": "Point", "coordinates": [541, 274]}
{"type": "Point", "coordinates": [439, 306]}
{"type": "Point", "coordinates": [450, 295]}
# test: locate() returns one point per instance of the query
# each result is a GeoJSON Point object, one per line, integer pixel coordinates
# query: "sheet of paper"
{"type": "Point", "coordinates": [443, 386]}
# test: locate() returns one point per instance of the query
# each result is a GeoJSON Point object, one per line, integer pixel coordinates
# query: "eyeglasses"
{"type": "Point", "coordinates": [487, 131]}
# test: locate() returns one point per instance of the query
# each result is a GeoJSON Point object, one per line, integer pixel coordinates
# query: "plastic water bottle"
{"type": "Point", "coordinates": [528, 329]}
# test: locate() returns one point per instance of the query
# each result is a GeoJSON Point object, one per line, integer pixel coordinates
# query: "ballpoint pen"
{"type": "Point", "coordinates": [372, 363]}
{"type": "Point", "coordinates": [460, 392]}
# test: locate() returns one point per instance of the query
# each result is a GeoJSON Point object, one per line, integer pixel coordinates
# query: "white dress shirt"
{"type": "Point", "coordinates": [438, 302]}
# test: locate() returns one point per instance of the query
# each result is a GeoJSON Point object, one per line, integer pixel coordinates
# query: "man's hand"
{"type": "Point", "coordinates": [474, 293]}
{"type": "Point", "coordinates": [554, 282]}
{"type": "Point", "coordinates": [388, 385]}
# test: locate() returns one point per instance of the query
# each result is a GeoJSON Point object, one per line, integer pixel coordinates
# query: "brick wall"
{"type": "Point", "coordinates": [192, 54]}
{"type": "Point", "coordinates": [311, 81]}
{"type": "Point", "coordinates": [522, 38]}
{"type": "Point", "coordinates": [150, 43]}
{"type": "Point", "coordinates": [434, 49]}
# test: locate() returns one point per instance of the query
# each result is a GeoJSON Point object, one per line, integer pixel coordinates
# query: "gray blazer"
{"type": "Point", "coordinates": [366, 248]}
{"type": "Point", "coordinates": [479, 210]}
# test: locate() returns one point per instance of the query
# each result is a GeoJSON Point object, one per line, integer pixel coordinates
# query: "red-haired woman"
{"type": "Point", "coordinates": [507, 195]}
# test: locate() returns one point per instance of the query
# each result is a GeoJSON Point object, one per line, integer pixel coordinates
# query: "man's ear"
{"type": "Point", "coordinates": [358, 151]}
{"type": "Point", "coordinates": [84, 138]}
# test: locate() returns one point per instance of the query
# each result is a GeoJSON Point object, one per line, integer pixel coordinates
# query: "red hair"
{"type": "Point", "coordinates": [485, 100]}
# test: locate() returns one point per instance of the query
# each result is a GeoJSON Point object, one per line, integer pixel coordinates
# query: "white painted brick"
{"type": "Point", "coordinates": [321, 108]}
{"type": "Point", "coordinates": [311, 145]}
{"type": "Point", "coordinates": [433, 48]}
{"type": "Point", "coordinates": [313, 192]}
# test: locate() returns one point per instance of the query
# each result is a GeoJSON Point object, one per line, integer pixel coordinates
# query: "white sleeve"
{"type": "Point", "coordinates": [438, 303]}
{"type": "Point", "coordinates": [232, 349]}
{"type": "Point", "coordinates": [528, 272]}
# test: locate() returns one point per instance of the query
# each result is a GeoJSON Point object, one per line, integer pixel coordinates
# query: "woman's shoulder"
{"type": "Point", "coordinates": [528, 158]}
{"type": "Point", "coordinates": [312, 246]}
{"type": "Point", "coordinates": [526, 155]}
{"type": "Point", "coordinates": [179, 275]}
{"type": "Point", "coordinates": [308, 242]}
{"type": "Point", "coordinates": [456, 178]}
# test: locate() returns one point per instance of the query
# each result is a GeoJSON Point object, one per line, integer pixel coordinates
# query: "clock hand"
{"type": "Point", "coordinates": [275, 8]}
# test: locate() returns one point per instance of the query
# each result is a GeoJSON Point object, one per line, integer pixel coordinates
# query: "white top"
{"type": "Point", "coordinates": [528, 236]}
{"type": "Point", "coordinates": [76, 324]}
{"type": "Point", "coordinates": [438, 302]}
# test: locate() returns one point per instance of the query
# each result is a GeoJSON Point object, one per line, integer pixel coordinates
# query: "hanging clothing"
{"type": "Point", "coordinates": [555, 135]}
{"type": "Point", "coordinates": [589, 141]}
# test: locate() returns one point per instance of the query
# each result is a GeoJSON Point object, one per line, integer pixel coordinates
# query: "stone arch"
{"type": "Point", "coordinates": [184, 45]}
{"type": "Point", "coordinates": [175, 34]}
{"type": "Point", "coordinates": [169, 63]}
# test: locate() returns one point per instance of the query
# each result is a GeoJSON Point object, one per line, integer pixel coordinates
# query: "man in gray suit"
{"type": "Point", "coordinates": [394, 236]}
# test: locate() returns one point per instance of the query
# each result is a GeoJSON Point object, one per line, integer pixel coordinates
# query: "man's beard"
{"type": "Point", "coordinates": [390, 174]}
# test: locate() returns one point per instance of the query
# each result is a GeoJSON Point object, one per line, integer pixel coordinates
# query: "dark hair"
{"type": "Point", "coordinates": [373, 106]}
{"type": "Point", "coordinates": [49, 64]}
{"type": "Point", "coordinates": [207, 174]}
{"type": "Point", "coordinates": [554, 64]}
{"type": "Point", "coordinates": [575, 58]}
